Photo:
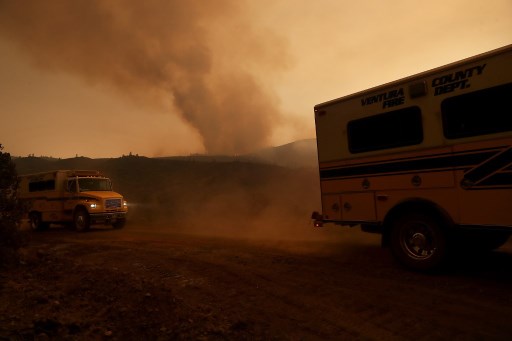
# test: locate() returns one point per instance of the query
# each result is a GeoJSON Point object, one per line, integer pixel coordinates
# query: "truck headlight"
{"type": "Point", "coordinates": [93, 205]}
{"type": "Point", "coordinates": [125, 203]}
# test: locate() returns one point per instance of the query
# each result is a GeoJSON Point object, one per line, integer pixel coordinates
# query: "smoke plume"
{"type": "Point", "coordinates": [200, 59]}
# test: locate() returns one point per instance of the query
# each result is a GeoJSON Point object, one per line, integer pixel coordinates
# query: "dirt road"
{"type": "Point", "coordinates": [141, 283]}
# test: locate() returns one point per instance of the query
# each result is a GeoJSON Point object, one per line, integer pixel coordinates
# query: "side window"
{"type": "Point", "coordinates": [38, 186]}
{"type": "Point", "coordinates": [393, 129]}
{"type": "Point", "coordinates": [34, 186]}
{"type": "Point", "coordinates": [487, 111]}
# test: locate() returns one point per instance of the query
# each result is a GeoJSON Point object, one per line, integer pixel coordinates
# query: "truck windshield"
{"type": "Point", "coordinates": [94, 184]}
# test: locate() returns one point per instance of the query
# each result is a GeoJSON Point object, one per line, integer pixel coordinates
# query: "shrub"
{"type": "Point", "coordinates": [11, 211]}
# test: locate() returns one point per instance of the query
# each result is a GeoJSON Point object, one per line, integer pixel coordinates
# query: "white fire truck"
{"type": "Point", "coordinates": [425, 160]}
{"type": "Point", "coordinates": [78, 198]}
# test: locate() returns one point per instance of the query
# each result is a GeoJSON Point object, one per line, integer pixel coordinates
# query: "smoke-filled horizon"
{"type": "Point", "coordinates": [176, 77]}
{"type": "Point", "coordinates": [174, 55]}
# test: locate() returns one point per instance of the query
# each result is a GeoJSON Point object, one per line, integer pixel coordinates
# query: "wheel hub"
{"type": "Point", "coordinates": [419, 240]}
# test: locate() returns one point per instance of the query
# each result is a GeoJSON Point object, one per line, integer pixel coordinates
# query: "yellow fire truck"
{"type": "Point", "coordinates": [78, 198]}
{"type": "Point", "coordinates": [425, 160]}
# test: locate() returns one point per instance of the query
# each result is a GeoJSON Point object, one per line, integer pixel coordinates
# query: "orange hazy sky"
{"type": "Point", "coordinates": [174, 77]}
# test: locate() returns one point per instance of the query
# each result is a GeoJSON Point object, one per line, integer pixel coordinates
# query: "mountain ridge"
{"type": "Point", "coordinates": [297, 154]}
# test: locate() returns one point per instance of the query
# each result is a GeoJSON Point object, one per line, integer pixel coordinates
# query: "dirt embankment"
{"type": "Point", "coordinates": [144, 283]}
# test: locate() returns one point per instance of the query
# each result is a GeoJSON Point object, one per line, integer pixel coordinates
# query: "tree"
{"type": "Point", "coordinates": [11, 211]}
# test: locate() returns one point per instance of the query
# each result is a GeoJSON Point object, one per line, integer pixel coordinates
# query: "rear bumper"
{"type": "Point", "coordinates": [318, 219]}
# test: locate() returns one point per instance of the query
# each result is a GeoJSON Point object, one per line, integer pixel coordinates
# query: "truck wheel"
{"type": "Point", "coordinates": [418, 241]}
{"type": "Point", "coordinates": [81, 220]}
{"type": "Point", "coordinates": [36, 223]}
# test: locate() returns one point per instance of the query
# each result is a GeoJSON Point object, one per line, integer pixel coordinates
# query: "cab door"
{"type": "Point", "coordinates": [70, 198]}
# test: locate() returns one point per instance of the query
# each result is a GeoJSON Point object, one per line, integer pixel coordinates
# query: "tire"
{"type": "Point", "coordinates": [36, 222]}
{"type": "Point", "coordinates": [81, 220]}
{"type": "Point", "coordinates": [119, 224]}
{"type": "Point", "coordinates": [418, 241]}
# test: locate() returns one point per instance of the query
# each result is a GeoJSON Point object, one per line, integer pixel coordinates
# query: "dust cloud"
{"type": "Point", "coordinates": [198, 59]}
{"type": "Point", "coordinates": [233, 199]}
{"type": "Point", "coordinates": [266, 206]}
{"type": "Point", "coordinates": [240, 200]}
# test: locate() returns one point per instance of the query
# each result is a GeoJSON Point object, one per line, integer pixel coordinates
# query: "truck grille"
{"type": "Point", "coordinates": [112, 203]}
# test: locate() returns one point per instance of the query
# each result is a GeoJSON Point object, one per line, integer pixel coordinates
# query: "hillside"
{"type": "Point", "coordinates": [298, 154]}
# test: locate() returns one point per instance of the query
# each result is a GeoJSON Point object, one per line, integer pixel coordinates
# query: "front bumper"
{"type": "Point", "coordinates": [107, 217]}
